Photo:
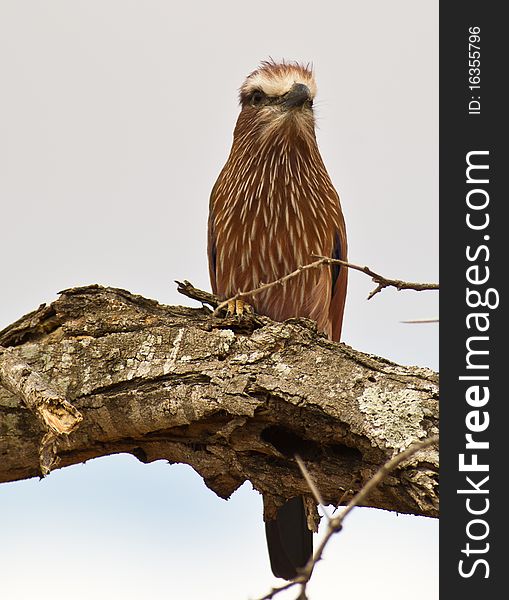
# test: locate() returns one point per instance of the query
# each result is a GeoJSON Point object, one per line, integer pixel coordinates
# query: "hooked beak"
{"type": "Point", "coordinates": [297, 96]}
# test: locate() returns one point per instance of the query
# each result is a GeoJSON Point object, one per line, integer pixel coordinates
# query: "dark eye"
{"type": "Point", "coordinates": [257, 98]}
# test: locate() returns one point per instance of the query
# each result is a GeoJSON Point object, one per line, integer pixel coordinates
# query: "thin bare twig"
{"type": "Point", "coordinates": [336, 523]}
{"type": "Point", "coordinates": [347, 492]}
{"type": "Point", "coordinates": [381, 281]}
{"type": "Point", "coordinates": [309, 480]}
{"type": "Point", "coordinates": [413, 321]}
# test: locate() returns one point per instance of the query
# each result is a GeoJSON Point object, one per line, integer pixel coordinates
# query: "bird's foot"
{"type": "Point", "coordinates": [239, 309]}
{"type": "Point", "coordinates": [237, 315]}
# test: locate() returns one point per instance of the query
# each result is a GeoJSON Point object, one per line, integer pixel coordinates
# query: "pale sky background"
{"type": "Point", "coordinates": [115, 119]}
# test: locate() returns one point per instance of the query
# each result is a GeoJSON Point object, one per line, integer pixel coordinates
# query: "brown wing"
{"type": "Point", "coordinates": [339, 281]}
{"type": "Point", "coordinates": [211, 243]}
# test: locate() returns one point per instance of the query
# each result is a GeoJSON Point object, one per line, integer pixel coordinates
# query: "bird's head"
{"type": "Point", "coordinates": [278, 98]}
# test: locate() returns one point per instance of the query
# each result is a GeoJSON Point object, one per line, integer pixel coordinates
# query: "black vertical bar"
{"type": "Point", "coordinates": [474, 268]}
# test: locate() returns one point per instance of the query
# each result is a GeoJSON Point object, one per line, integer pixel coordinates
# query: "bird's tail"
{"type": "Point", "coordinates": [289, 539]}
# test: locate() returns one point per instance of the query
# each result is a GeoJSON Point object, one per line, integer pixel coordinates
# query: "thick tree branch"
{"type": "Point", "coordinates": [235, 403]}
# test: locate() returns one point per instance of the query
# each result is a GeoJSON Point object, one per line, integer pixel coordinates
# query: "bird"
{"type": "Point", "coordinates": [273, 209]}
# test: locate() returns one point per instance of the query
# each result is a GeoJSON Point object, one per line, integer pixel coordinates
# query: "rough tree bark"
{"type": "Point", "coordinates": [235, 402]}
